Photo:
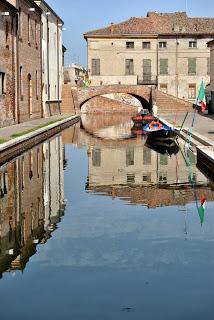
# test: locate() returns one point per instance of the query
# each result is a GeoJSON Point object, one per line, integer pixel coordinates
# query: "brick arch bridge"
{"type": "Point", "coordinates": [142, 93]}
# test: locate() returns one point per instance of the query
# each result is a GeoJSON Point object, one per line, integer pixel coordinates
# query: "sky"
{"type": "Point", "coordinates": [81, 16]}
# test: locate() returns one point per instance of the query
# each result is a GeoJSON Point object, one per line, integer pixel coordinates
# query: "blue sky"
{"type": "Point", "coordinates": [81, 16]}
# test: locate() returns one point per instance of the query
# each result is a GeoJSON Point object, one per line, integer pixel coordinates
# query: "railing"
{"type": "Point", "coordinates": [147, 79]}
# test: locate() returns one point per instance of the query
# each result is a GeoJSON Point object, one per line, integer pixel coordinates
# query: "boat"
{"type": "Point", "coordinates": [159, 131]}
{"type": "Point", "coordinates": [142, 118]}
{"type": "Point", "coordinates": [138, 130]}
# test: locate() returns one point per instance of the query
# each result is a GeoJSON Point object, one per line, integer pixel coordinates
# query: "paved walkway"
{"type": "Point", "coordinates": [7, 132]}
{"type": "Point", "coordinates": [204, 123]}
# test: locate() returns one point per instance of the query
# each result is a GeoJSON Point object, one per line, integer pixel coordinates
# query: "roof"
{"type": "Point", "coordinates": [156, 23]}
{"type": "Point", "coordinates": [9, 6]}
{"type": "Point", "coordinates": [49, 9]}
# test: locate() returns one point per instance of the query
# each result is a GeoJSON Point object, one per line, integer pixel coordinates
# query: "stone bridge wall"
{"type": "Point", "coordinates": [168, 104]}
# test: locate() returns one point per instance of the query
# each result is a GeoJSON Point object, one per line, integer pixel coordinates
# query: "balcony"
{"type": "Point", "coordinates": [147, 79]}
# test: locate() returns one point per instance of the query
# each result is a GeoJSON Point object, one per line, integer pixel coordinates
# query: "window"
{"type": "Point", "coordinates": [162, 178]}
{"type": "Point", "coordinates": [2, 83]}
{"type": "Point", "coordinates": [129, 67]}
{"type": "Point", "coordinates": [192, 44]}
{"type": "Point", "coordinates": [36, 33]}
{"type": "Point", "coordinates": [20, 23]}
{"type": "Point", "coordinates": [163, 159]}
{"type": "Point", "coordinates": [129, 45]}
{"type": "Point", "coordinates": [146, 156]}
{"type": "Point", "coordinates": [146, 177]}
{"type": "Point", "coordinates": [37, 93]}
{"type": "Point", "coordinates": [163, 45]}
{"type": "Point", "coordinates": [95, 67]}
{"type": "Point", "coordinates": [96, 157]}
{"type": "Point", "coordinates": [164, 87]}
{"type": "Point", "coordinates": [130, 157]}
{"type": "Point", "coordinates": [163, 66]}
{"type": "Point", "coordinates": [130, 178]}
{"type": "Point", "coordinates": [6, 31]}
{"type": "Point", "coordinates": [208, 66]}
{"type": "Point", "coordinates": [28, 28]}
{"type": "Point", "coordinates": [146, 45]}
{"type": "Point", "coordinates": [192, 91]}
{"type": "Point", "coordinates": [191, 66]}
{"type": "Point", "coordinates": [21, 83]}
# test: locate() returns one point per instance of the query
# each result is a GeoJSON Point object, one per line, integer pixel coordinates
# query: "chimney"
{"type": "Point", "coordinates": [112, 27]}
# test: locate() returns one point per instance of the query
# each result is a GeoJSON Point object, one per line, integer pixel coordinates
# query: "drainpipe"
{"type": "Point", "coordinates": [176, 63]}
{"type": "Point", "coordinates": [157, 57]}
{"type": "Point", "coordinates": [48, 68]}
{"type": "Point", "coordinates": [57, 40]}
{"type": "Point", "coordinates": [17, 72]}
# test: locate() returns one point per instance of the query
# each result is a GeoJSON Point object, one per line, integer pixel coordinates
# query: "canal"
{"type": "Point", "coordinates": [96, 224]}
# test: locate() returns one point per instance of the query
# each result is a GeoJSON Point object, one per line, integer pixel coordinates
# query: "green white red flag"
{"type": "Point", "coordinates": [201, 101]}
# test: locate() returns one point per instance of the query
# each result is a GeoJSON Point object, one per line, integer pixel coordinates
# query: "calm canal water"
{"type": "Point", "coordinates": [94, 224]}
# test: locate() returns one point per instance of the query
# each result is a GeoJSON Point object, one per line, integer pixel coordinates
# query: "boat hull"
{"type": "Point", "coordinates": [162, 134]}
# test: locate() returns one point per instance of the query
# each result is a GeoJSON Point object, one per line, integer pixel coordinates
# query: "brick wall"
{"type": "Point", "coordinates": [7, 67]}
{"type": "Point", "coordinates": [29, 53]}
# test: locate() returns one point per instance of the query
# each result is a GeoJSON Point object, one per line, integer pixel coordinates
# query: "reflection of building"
{"type": "Point", "coordinates": [142, 175]}
{"type": "Point", "coordinates": [29, 208]}
{"type": "Point", "coordinates": [53, 181]}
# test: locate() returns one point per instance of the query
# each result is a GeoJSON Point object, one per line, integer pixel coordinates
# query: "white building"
{"type": "Point", "coordinates": [74, 74]}
{"type": "Point", "coordinates": [52, 59]}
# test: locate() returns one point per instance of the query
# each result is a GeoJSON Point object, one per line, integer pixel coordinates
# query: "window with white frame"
{"type": "Point", "coordinates": [192, 44]}
{"type": "Point", "coordinates": [162, 45]}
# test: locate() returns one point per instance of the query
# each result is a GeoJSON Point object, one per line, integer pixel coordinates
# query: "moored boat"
{"type": "Point", "coordinates": [143, 118]}
{"type": "Point", "coordinates": [159, 131]}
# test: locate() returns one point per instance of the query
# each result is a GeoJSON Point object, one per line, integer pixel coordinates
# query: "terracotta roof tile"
{"type": "Point", "coordinates": [158, 23]}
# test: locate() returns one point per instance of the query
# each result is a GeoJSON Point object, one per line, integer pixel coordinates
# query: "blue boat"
{"type": "Point", "coordinates": [158, 131]}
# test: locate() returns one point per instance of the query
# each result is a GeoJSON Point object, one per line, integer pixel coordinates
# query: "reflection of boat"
{"type": "Point", "coordinates": [142, 118]}
{"type": "Point", "coordinates": [163, 147]}
{"type": "Point", "coordinates": [136, 130]}
{"type": "Point", "coordinates": [159, 131]}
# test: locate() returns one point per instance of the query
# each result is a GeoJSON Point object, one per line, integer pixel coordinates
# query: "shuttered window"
{"type": "Point", "coordinates": [96, 157]}
{"type": "Point", "coordinates": [163, 66]}
{"type": "Point", "coordinates": [129, 67]}
{"type": "Point", "coordinates": [191, 66]}
{"type": "Point", "coordinates": [129, 157]}
{"type": "Point", "coordinates": [208, 66]}
{"type": "Point", "coordinates": [147, 69]}
{"type": "Point", "coordinates": [95, 67]}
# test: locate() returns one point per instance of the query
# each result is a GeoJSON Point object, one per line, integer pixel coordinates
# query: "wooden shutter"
{"type": "Point", "coordinates": [191, 65]}
{"type": "Point", "coordinates": [96, 67]}
{"type": "Point", "coordinates": [163, 66]}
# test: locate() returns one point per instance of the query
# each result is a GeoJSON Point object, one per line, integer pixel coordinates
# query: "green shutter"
{"type": "Point", "coordinates": [191, 65]}
{"type": "Point", "coordinates": [163, 66]}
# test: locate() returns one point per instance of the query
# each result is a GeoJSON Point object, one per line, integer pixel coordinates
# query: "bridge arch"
{"type": "Point", "coordinates": [142, 93]}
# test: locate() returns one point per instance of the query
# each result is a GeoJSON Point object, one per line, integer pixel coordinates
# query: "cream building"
{"type": "Point", "coordinates": [168, 50]}
{"type": "Point", "coordinates": [52, 59]}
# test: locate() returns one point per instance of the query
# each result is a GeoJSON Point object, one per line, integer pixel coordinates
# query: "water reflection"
{"type": "Point", "coordinates": [132, 170]}
{"type": "Point", "coordinates": [31, 203]}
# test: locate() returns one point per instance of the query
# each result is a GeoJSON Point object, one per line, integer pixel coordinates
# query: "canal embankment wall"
{"type": "Point", "coordinates": [16, 146]}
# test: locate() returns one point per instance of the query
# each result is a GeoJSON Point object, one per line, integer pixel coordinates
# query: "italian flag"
{"type": "Point", "coordinates": [201, 209]}
{"type": "Point", "coordinates": [201, 97]}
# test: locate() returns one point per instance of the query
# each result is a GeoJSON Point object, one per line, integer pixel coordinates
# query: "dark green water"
{"type": "Point", "coordinates": [98, 229]}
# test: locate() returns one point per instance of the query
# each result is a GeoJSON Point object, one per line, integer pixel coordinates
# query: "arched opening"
{"type": "Point", "coordinates": [30, 97]}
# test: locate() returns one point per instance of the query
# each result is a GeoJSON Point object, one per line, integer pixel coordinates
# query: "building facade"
{"type": "Point", "coordinates": [8, 35]}
{"type": "Point", "coordinates": [28, 63]}
{"type": "Point", "coordinates": [211, 87]}
{"type": "Point", "coordinates": [52, 59]}
{"type": "Point", "coordinates": [165, 50]}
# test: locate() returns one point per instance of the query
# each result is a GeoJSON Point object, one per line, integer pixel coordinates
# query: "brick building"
{"type": "Point", "coordinates": [28, 62]}
{"type": "Point", "coordinates": [168, 50]}
{"type": "Point", "coordinates": [8, 33]}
